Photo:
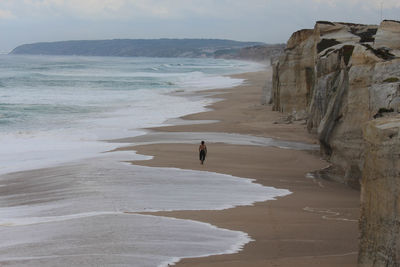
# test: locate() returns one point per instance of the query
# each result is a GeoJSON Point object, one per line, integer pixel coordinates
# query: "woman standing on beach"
{"type": "Point", "coordinates": [202, 152]}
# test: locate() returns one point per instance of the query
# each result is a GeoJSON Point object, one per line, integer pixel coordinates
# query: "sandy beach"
{"type": "Point", "coordinates": [317, 225]}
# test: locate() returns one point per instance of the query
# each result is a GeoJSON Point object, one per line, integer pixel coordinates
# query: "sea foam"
{"type": "Point", "coordinates": [58, 109]}
{"type": "Point", "coordinates": [81, 210]}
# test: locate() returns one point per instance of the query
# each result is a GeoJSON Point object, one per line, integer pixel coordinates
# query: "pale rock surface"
{"type": "Point", "coordinates": [380, 194]}
{"type": "Point", "coordinates": [388, 36]}
{"type": "Point", "coordinates": [385, 90]}
{"type": "Point", "coordinates": [293, 68]}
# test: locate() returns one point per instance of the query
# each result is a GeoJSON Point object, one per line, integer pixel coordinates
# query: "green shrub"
{"type": "Point", "coordinates": [391, 80]}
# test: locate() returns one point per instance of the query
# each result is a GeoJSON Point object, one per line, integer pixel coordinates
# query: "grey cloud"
{"type": "Point", "coordinates": [253, 20]}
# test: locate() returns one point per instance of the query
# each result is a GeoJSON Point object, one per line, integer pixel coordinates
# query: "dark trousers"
{"type": "Point", "coordinates": [202, 155]}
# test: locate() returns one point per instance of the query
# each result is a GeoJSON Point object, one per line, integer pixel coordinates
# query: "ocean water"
{"type": "Point", "coordinates": [56, 109]}
{"type": "Point", "coordinates": [63, 202]}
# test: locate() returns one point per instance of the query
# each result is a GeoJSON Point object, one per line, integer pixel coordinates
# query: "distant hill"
{"type": "Point", "coordinates": [136, 47]}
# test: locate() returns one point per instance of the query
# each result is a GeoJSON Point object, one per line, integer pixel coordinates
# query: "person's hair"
{"type": "Point", "coordinates": [202, 142]}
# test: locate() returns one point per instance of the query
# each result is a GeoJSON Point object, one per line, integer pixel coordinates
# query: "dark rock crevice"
{"type": "Point", "coordinates": [381, 52]}
{"type": "Point", "coordinates": [366, 36]}
{"type": "Point", "coordinates": [326, 43]}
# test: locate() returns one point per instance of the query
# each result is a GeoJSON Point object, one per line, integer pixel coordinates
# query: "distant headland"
{"type": "Point", "coordinates": [214, 48]}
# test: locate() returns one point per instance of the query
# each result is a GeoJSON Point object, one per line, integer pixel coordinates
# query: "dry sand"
{"type": "Point", "coordinates": [315, 226]}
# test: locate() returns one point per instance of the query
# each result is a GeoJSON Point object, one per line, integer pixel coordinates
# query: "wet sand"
{"type": "Point", "coordinates": [317, 225]}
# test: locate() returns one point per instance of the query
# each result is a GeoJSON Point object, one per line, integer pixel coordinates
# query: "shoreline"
{"type": "Point", "coordinates": [70, 125]}
{"type": "Point", "coordinates": [311, 227]}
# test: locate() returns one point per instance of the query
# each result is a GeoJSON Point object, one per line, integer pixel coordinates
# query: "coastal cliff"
{"type": "Point", "coordinates": [338, 76]}
{"type": "Point", "coordinates": [380, 210]}
{"type": "Point", "coordinates": [342, 78]}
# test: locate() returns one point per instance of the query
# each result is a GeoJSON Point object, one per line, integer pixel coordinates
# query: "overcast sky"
{"type": "Point", "coordinates": [271, 21]}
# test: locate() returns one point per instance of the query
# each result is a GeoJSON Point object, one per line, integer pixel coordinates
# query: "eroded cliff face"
{"type": "Point", "coordinates": [339, 76]}
{"type": "Point", "coordinates": [343, 77]}
{"type": "Point", "coordinates": [380, 199]}
{"type": "Point", "coordinates": [292, 80]}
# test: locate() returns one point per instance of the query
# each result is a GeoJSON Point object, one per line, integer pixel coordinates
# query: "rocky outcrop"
{"type": "Point", "coordinates": [380, 195]}
{"type": "Point", "coordinates": [340, 75]}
